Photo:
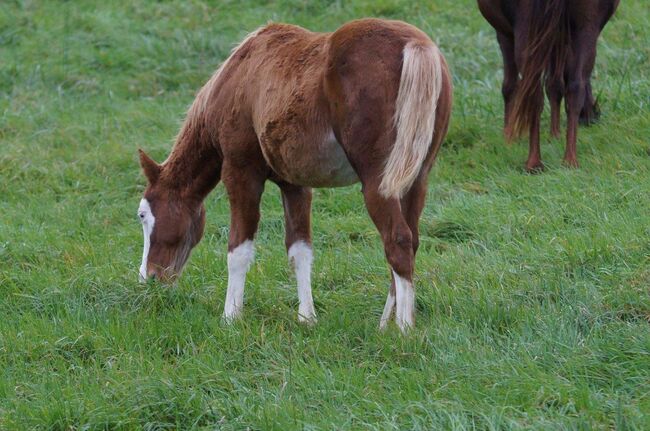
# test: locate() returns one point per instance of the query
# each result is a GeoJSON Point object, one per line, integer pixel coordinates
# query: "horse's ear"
{"type": "Point", "coordinates": [150, 168]}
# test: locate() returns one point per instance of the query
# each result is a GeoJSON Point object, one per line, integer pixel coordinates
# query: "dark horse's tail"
{"type": "Point", "coordinates": [544, 58]}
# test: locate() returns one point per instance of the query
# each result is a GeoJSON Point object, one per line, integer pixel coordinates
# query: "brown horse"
{"type": "Point", "coordinates": [551, 42]}
{"type": "Point", "coordinates": [370, 103]}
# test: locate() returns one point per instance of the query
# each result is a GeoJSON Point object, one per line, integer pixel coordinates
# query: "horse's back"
{"type": "Point", "coordinates": [271, 77]}
{"type": "Point", "coordinates": [287, 85]}
{"type": "Point", "coordinates": [284, 91]}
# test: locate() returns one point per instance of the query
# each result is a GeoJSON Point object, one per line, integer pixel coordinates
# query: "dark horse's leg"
{"type": "Point", "coordinates": [297, 215]}
{"type": "Point", "coordinates": [499, 14]}
{"type": "Point", "coordinates": [590, 111]}
{"type": "Point", "coordinates": [509, 86]}
{"type": "Point", "coordinates": [536, 102]}
{"type": "Point", "coordinates": [603, 12]}
{"type": "Point", "coordinates": [555, 90]}
{"type": "Point", "coordinates": [579, 67]}
{"type": "Point", "coordinates": [534, 163]}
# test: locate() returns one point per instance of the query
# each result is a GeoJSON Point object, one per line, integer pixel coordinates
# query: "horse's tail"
{"type": "Point", "coordinates": [544, 59]}
{"type": "Point", "coordinates": [415, 116]}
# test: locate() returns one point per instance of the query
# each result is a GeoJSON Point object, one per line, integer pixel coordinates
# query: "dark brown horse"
{"type": "Point", "coordinates": [370, 103]}
{"type": "Point", "coordinates": [551, 43]}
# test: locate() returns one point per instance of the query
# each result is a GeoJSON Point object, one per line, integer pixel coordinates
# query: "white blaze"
{"type": "Point", "coordinates": [301, 255]}
{"type": "Point", "coordinates": [148, 220]}
{"type": "Point", "coordinates": [239, 260]}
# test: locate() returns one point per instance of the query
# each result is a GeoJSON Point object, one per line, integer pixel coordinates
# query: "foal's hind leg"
{"type": "Point", "coordinates": [411, 207]}
{"type": "Point", "coordinates": [297, 208]}
{"type": "Point", "coordinates": [389, 306]}
{"type": "Point", "coordinates": [244, 185]}
{"type": "Point", "coordinates": [396, 235]}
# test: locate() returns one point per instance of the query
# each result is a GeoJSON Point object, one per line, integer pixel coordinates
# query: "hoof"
{"type": "Point", "coordinates": [570, 163]}
{"type": "Point", "coordinates": [307, 320]}
{"type": "Point", "coordinates": [587, 120]}
{"type": "Point", "coordinates": [535, 168]}
{"type": "Point", "coordinates": [589, 116]}
{"type": "Point", "coordinates": [383, 323]}
{"type": "Point", "coordinates": [230, 318]}
{"type": "Point", "coordinates": [405, 326]}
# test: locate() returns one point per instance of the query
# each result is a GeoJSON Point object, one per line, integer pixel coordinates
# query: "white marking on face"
{"type": "Point", "coordinates": [301, 255]}
{"type": "Point", "coordinates": [405, 301]}
{"type": "Point", "coordinates": [239, 260]}
{"type": "Point", "coordinates": [148, 220]}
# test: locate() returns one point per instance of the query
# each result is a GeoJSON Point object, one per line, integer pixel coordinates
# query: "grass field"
{"type": "Point", "coordinates": [533, 292]}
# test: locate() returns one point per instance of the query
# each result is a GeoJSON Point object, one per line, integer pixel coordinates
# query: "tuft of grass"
{"type": "Point", "coordinates": [532, 291]}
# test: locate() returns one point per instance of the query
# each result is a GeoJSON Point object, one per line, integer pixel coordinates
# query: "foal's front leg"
{"type": "Point", "coordinates": [244, 189]}
{"type": "Point", "coordinates": [297, 215]}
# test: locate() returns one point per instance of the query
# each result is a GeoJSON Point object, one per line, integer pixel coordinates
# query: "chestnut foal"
{"type": "Point", "coordinates": [551, 42]}
{"type": "Point", "coordinates": [369, 102]}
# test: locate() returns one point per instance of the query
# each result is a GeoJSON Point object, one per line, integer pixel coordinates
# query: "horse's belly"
{"type": "Point", "coordinates": [312, 164]}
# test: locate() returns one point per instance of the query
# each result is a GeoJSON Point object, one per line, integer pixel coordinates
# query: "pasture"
{"type": "Point", "coordinates": [533, 291]}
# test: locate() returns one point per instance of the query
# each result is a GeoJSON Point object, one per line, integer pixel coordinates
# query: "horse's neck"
{"type": "Point", "coordinates": [194, 165]}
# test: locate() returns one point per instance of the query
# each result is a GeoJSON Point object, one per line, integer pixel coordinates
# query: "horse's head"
{"type": "Point", "coordinates": [172, 224]}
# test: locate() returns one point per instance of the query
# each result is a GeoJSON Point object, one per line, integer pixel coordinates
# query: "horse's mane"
{"type": "Point", "coordinates": [199, 112]}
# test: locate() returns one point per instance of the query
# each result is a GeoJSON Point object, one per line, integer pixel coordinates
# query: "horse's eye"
{"type": "Point", "coordinates": [141, 215]}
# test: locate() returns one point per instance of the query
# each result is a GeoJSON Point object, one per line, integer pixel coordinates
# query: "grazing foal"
{"type": "Point", "coordinates": [369, 102]}
{"type": "Point", "coordinates": [551, 42]}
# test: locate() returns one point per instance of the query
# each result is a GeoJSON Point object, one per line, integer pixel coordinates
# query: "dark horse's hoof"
{"type": "Point", "coordinates": [589, 114]}
{"type": "Point", "coordinates": [570, 163]}
{"type": "Point", "coordinates": [534, 168]}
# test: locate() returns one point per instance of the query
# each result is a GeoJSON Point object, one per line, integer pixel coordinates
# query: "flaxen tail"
{"type": "Point", "coordinates": [415, 117]}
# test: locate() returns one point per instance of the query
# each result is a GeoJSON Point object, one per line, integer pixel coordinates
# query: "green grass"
{"type": "Point", "coordinates": [533, 292]}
